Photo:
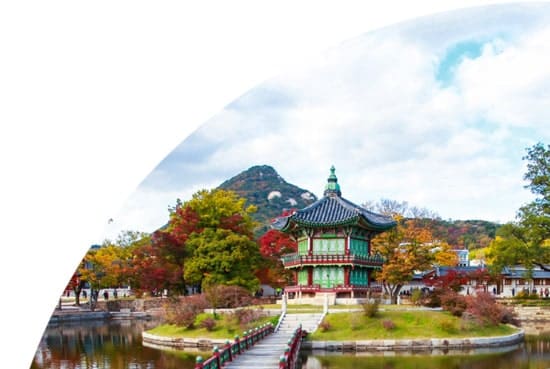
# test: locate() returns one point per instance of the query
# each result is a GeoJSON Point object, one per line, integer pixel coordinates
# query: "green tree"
{"type": "Point", "coordinates": [216, 228]}
{"type": "Point", "coordinates": [527, 241]}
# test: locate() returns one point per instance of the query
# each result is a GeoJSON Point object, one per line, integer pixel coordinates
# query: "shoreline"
{"type": "Point", "coordinates": [385, 345]}
{"type": "Point", "coordinates": [416, 344]}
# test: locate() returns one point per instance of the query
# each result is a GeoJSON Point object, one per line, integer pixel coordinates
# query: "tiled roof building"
{"type": "Point", "coordinates": [334, 254]}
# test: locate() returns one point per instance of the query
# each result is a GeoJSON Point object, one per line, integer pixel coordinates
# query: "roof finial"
{"type": "Point", "coordinates": [332, 188]}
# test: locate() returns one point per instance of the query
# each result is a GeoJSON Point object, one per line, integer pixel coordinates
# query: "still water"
{"type": "Point", "coordinates": [117, 345]}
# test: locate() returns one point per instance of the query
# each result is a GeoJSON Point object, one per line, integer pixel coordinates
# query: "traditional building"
{"type": "Point", "coordinates": [334, 246]}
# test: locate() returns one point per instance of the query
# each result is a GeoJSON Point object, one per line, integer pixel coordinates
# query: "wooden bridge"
{"type": "Point", "coordinates": [265, 348]}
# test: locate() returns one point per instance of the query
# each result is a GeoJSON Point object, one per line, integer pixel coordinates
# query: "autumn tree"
{"type": "Point", "coordinates": [406, 249]}
{"type": "Point", "coordinates": [76, 284]}
{"type": "Point", "coordinates": [444, 254]}
{"type": "Point", "coordinates": [273, 245]}
{"type": "Point", "coordinates": [158, 264]}
{"type": "Point", "coordinates": [527, 241]}
{"type": "Point", "coordinates": [104, 267]}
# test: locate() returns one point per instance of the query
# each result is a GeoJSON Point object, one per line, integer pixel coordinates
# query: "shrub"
{"type": "Point", "coordinates": [433, 300]}
{"type": "Point", "coordinates": [324, 326]}
{"type": "Point", "coordinates": [220, 296]}
{"type": "Point", "coordinates": [245, 317]}
{"type": "Point", "coordinates": [487, 311]}
{"type": "Point", "coordinates": [416, 297]}
{"type": "Point", "coordinates": [183, 312]}
{"type": "Point", "coordinates": [448, 326]}
{"type": "Point", "coordinates": [388, 324]}
{"type": "Point", "coordinates": [370, 308]}
{"type": "Point", "coordinates": [453, 302]}
{"type": "Point", "coordinates": [354, 321]}
{"type": "Point", "coordinates": [468, 322]}
{"type": "Point", "coordinates": [209, 324]}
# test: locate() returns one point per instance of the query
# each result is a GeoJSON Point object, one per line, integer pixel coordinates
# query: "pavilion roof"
{"type": "Point", "coordinates": [334, 210]}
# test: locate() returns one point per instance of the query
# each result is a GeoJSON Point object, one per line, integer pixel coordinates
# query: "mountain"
{"type": "Point", "coordinates": [263, 187]}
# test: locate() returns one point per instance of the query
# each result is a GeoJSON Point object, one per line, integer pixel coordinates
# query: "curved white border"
{"type": "Point", "coordinates": [93, 96]}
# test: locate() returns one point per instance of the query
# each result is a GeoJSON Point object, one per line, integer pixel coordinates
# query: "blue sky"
{"type": "Point", "coordinates": [436, 111]}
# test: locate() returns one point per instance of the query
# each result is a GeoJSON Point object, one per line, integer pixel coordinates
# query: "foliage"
{"type": "Point", "coordinates": [448, 325]}
{"type": "Point", "coordinates": [406, 248]}
{"type": "Point", "coordinates": [184, 312]}
{"type": "Point", "coordinates": [208, 323]}
{"type": "Point", "coordinates": [207, 241]}
{"type": "Point", "coordinates": [459, 234]}
{"type": "Point", "coordinates": [527, 241]}
{"type": "Point", "coordinates": [444, 255]}
{"type": "Point", "coordinates": [324, 326]}
{"type": "Point", "coordinates": [158, 264]}
{"type": "Point", "coordinates": [221, 296]}
{"type": "Point", "coordinates": [274, 244]}
{"type": "Point", "coordinates": [224, 329]}
{"type": "Point", "coordinates": [370, 308]}
{"type": "Point", "coordinates": [453, 302]}
{"type": "Point", "coordinates": [354, 321]}
{"type": "Point", "coordinates": [105, 266]}
{"type": "Point", "coordinates": [222, 250]}
{"type": "Point", "coordinates": [245, 317]}
{"type": "Point", "coordinates": [453, 280]}
{"type": "Point", "coordinates": [416, 296]}
{"type": "Point", "coordinates": [388, 324]}
{"type": "Point", "coordinates": [487, 311]}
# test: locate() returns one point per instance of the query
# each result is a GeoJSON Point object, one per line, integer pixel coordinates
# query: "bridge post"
{"type": "Point", "coordinates": [198, 362]}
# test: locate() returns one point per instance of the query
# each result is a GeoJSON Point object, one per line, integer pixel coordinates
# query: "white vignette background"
{"type": "Point", "coordinates": [90, 98]}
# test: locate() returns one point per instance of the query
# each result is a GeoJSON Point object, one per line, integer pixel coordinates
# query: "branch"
{"type": "Point", "coordinates": [542, 266]}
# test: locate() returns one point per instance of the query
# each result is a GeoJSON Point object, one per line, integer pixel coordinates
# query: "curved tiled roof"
{"type": "Point", "coordinates": [334, 210]}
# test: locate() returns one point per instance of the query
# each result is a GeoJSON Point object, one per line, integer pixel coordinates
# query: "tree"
{"type": "Point", "coordinates": [218, 237]}
{"type": "Point", "coordinates": [273, 245]}
{"type": "Point", "coordinates": [76, 284]}
{"type": "Point", "coordinates": [444, 255]}
{"type": "Point", "coordinates": [104, 267]}
{"type": "Point", "coordinates": [406, 249]}
{"type": "Point", "coordinates": [452, 280]}
{"type": "Point", "coordinates": [158, 264]}
{"type": "Point", "coordinates": [527, 241]}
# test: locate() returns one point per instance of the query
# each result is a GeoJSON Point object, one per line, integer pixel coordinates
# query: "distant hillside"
{"type": "Point", "coordinates": [470, 234]}
{"type": "Point", "coordinates": [262, 186]}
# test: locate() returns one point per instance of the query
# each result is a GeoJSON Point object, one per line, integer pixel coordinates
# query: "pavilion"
{"type": "Point", "coordinates": [334, 259]}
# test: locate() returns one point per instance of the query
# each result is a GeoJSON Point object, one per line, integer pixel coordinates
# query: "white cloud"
{"type": "Point", "coordinates": [374, 109]}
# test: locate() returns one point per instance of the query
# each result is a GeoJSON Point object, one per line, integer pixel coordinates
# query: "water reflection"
{"type": "Point", "coordinates": [117, 345]}
{"type": "Point", "coordinates": [534, 353]}
{"type": "Point", "coordinates": [101, 345]}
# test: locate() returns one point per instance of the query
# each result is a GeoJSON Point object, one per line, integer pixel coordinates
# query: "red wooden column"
{"type": "Point", "coordinates": [310, 276]}
{"type": "Point", "coordinates": [346, 275]}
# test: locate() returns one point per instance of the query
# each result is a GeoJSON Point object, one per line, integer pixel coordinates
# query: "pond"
{"type": "Point", "coordinates": [117, 345]}
{"type": "Point", "coordinates": [104, 345]}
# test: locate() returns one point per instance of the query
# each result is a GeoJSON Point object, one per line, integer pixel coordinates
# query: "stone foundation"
{"type": "Point", "coordinates": [415, 344]}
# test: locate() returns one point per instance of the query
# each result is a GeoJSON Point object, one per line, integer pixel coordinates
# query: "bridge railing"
{"type": "Point", "coordinates": [231, 350]}
{"type": "Point", "coordinates": [290, 357]}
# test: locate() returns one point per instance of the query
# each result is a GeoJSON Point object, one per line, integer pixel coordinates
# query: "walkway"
{"type": "Point", "coordinates": [266, 353]}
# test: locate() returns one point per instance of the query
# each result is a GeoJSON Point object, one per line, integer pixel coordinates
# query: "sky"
{"type": "Point", "coordinates": [437, 111]}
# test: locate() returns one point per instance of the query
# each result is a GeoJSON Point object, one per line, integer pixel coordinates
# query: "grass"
{"type": "Point", "coordinates": [225, 328]}
{"type": "Point", "coordinates": [408, 324]}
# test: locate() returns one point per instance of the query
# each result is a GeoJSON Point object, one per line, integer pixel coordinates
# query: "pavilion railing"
{"type": "Point", "coordinates": [231, 350]}
{"type": "Point", "coordinates": [372, 287]}
{"type": "Point", "coordinates": [297, 259]}
{"type": "Point", "coordinates": [290, 357]}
